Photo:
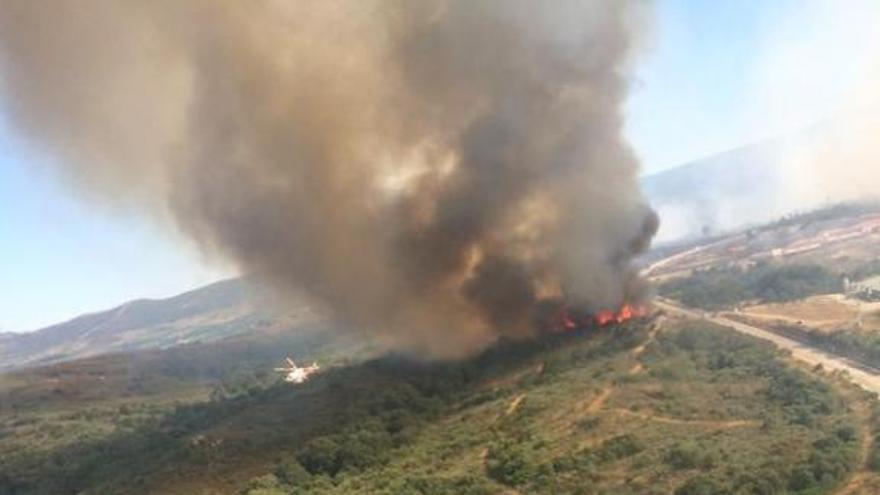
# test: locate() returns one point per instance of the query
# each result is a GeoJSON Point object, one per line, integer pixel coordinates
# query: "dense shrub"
{"type": "Point", "coordinates": [436, 485]}
{"type": "Point", "coordinates": [761, 482]}
{"type": "Point", "coordinates": [264, 485]}
{"type": "Point", "coordinates": [722, 287]}
{"type": "Point", "coordinates": [396, 427]}
{"type": "Point", "coordinates": [516, 464]}
{"type": "Point", "coordinates": [702, 485]}
{"type": "Point", "coordinates": [688, 456]}
{"type": "Point", "coordinates": [292, 473]}
{"type": "Point", "coordinates": [619, 447]}
{"type": "Point", "coordinates": [858, 346]}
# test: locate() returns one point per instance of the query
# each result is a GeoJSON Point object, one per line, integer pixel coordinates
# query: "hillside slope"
{"type": "Point", "coordinates": [719, 192]}
{"type": "Point", "coordinates": [206, 314]}
{"type": "Point", "coordinates": [675, 407]}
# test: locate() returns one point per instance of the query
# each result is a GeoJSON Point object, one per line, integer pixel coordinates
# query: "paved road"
{"type": "Point", "coordinates": [799, 351]}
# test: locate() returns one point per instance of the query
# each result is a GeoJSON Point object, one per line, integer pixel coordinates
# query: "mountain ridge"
{"type": "Point", "coordinates": [719, 192]}
{"type": "Point", "coordinates": [204, 314]}
{"type": "Point", "coordinates": [725, 190]}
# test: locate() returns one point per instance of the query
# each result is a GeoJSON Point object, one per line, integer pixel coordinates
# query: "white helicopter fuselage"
{"type": "Point", "coordinates": [295, 374]}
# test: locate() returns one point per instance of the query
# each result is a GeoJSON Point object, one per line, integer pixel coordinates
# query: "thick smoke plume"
{"type": "Point", "coordinates": [440, 172]}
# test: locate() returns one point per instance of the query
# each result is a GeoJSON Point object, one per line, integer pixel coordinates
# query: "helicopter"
{"type": "Point", "coordinates": [295, 374]}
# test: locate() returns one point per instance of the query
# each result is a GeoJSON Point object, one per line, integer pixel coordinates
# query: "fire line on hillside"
{"type": "Point", "coordinates": [628, 311]}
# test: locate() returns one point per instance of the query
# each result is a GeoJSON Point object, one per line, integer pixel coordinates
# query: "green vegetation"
{"type": "Point", "coordinates": [723, 287]}
{"type": "Point", "coordinates": [858, 346]}
{"type": "Point", "coordinates": [873, 461]}
{"type": "Point", "coordinates": [706, 411]}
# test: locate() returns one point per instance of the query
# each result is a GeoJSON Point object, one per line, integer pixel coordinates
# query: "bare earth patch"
{"type": "Point", "coordinates": [825, 312]}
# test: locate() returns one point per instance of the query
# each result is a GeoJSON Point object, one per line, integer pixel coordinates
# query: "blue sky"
{"type": "Point", "coordinates": [712, 75]}
{"type": "Point", "coordinates": [61, 256]}
{"type": "Point", "coordinates": [715, 75]}
{"type": "Point", "coordinates": [690, 73]}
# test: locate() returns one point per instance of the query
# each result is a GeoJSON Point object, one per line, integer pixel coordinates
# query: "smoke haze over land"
{"type": "Point", "coordinates": [790, 127]}
{"type": "Point", "coordinates": [824, 62]}
{"type": "Point", "coordinates": [436, 172]}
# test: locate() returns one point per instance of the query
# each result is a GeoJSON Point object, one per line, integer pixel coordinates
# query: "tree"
{"type": "Point", "coordinates": [292, 473]}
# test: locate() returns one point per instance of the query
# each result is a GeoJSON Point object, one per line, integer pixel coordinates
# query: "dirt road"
{"type": "Point", "coordinates": [801, 352]}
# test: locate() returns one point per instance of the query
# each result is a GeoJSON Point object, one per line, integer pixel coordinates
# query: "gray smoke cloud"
{"type": "Point", "coordinates": [438, 172]}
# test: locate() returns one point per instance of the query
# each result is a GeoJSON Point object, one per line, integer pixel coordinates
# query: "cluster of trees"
{"type": "Point", "coordinates": [345, 422]}
{"type": "Point", "coordinates": [832, 459]}
{"type": "Point", "coordinates": [278, 484]}
{"type": "Point", "coordinates": [518, 463]}
{"type": "Point", "coordinates": [790, 399]}
{"type": "Point", "coordinates": [685, 456]}
{"type": "Point", "coordinates": [357, 429]}
{"type": "Point", "coordinates": [354, 418]}
{"type": "Point", "coordinates": [723, 287]}
{"type": "Point", "coordinates": [861, 347]}
{"type": "Point", "coordinates": [874, 455]}
{"type": "Point", "coordinates": [519, 457]}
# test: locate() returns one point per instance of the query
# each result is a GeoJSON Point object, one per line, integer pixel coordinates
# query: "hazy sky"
{"type": "Point", "coordinates": [713, 76]}
{"type": "Point", "coordinates": [717, 75]}
{"type": "Point", "coordinates": [61, 256]}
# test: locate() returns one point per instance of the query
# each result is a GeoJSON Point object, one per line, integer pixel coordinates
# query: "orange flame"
{"type": "Point", "coordinates": [568, 322]}
{"type": "Point", "coordinates": [603, 318]}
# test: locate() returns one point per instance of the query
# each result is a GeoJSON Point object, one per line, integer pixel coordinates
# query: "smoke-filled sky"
{"type": "Point", "coordinates": [700, 69]}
